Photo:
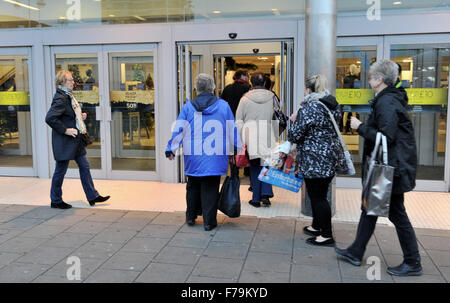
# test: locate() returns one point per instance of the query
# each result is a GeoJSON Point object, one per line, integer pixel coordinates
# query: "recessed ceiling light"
{"type": "Point", "coordinates": [111, 15]}
{"type": "Point", "coordinates": [62, 18]}
{"type": "Point", "coordinates": [274, 9]}
{"type": "Point", "coordinates": [216, 12]}
{"type": "Point", "coordinates": [397, 3]}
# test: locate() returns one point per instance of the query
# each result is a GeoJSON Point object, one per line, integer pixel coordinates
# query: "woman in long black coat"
{"type": "Point", "coordinates": [66, 120]}
{"type": "Point", "coordinates": [389, 116]}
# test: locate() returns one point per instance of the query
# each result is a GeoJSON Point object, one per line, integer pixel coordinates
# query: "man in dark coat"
{"type": "Point", "coordinates": [65, 119]}
{"type": "Point", "coordinates": [389, 116]}
{"type": "Point", "coordinates": [233, 93]}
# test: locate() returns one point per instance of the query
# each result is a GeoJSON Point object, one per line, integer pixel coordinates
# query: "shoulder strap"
{"type": "Point", "coordinates": [334, 124]}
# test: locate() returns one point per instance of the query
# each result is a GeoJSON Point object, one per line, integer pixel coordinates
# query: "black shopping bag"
{"type": "Point", "coordinates": [229, 198]}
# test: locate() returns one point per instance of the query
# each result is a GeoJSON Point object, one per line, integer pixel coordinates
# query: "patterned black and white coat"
{"type": "Point", "coordinates": [318, 146]}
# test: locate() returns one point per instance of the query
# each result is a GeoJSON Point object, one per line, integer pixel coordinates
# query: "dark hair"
{"type": "Point", "coordinates": [239, 73]}
{"type": "Point", "coordinates": [257, 79]}
{"type": "Point", "coordinates": [149, 82]}
{"type": "Point", "coordinates": [399, 69]}
{"type": "Point", "coordinates": [267, 81]}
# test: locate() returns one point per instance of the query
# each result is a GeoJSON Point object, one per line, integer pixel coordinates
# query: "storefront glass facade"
{"type": "Point", "coordinates": [15, 117]}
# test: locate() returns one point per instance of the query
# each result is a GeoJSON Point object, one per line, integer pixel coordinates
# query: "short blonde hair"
{"type": "Point", "coordinates": [60, 78]}
{"type": "Point", "coordinates": [317, 83]}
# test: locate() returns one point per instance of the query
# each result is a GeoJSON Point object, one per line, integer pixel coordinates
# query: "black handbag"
{"type": "Point", "coordinates": [229, 198]}
{"type": "Point", "coordinates": [279, 116]}
{"type": "Point", "coordinates": [86, 139]}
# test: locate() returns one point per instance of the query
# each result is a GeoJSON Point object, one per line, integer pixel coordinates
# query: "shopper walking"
{"type": "Point", "coordinates": [207, 131]}
{"type": "Point", "coordinates": [233, 93]}
{"type": "Point", "coordinates": [67, 123]}
{"type": "Point", "coordinates": [254, 120]}
{"type": "Point", "coordinates": [318, 153]}
{"type": "Point", "coordinates": [389, 116]}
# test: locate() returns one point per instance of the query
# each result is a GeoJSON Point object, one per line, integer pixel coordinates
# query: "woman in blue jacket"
{"type": "Point", "coordinates": [207, 131]}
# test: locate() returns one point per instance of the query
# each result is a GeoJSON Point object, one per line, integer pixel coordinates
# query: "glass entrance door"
{"type": "Point", "coordinates": [425, 74]}
{"type": "Point", "coordinates": [116, 87]}
{"type": "Point", "coordinates": [16, 149]}
{"type": "Point", "coordinates": [132, 102]}
{"type": "Point", "coordinates": [353, 59]}
{"type": "Point", "coordinates": [221, 60]}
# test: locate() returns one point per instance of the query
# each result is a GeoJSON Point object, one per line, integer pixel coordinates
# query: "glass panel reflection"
{"type": "Point", "coordinates": [133, 117]}
{"type": "Point", "coordinates": [15, 118]}
{"type": "Point", "coordinates": [424, 75]}
{"type": "Point", "coordinates": [84, 68]}
{"type": "Point", "coordinates": [353, 93]}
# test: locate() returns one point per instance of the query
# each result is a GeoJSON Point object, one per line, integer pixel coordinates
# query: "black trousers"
{"type": "Point", "coordinates": [405, 231]}
{"type": "Point", "coordinates": [202, 193]}
{"type": "Point", "coordinates": [318, 191]}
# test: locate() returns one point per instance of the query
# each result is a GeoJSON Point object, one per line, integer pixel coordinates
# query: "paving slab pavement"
{"type": "Point", "coordinates": [36, 242]}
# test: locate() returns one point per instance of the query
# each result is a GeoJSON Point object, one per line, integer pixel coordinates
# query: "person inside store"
{"type": "Point", "coordinates": [254, 120]}
{"type": "Point", "coordinates": [389, 116]}
{"type": "Point", "coordinates": [67, 122]}
{"type": "Point", "coordinates": [318, 154]}
{"type": "Point", "coordinates": [349, 82]}
{"type": "Point", "coordinates": [204, 164]}
{"type": "Point", "coordinates": [233, 93]}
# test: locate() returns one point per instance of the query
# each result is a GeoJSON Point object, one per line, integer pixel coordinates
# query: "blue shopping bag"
{"type": "Point", "coordinates": [290, 181]}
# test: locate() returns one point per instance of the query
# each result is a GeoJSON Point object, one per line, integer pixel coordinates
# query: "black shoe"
{"type": "Point", "coordinates": [190, 222]}
{"type": "Point", "coordinates": [255, 204]}
{"type": "Point", "coordinates": [310, 232]}
{"type": "Point", "coordinates": [99, 199]}
{"type": "Point", "coordinates": [405, 269]}
{"type": "Point", "coordinates": [265, 202]}
{"type": "Point", "coordinates": [344, 254]}
{"type": "Point", "coordinates": [210, 227]}
{"type": "Point", "coordinates": [312, 241]}
{"type": "Point", "coordinates": [60, 205]}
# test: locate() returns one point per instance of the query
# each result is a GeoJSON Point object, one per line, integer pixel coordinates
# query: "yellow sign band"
{"type": "Point", "coordinates": [14, 98]}
{"type": "Point", "coordinates": [416, 96]}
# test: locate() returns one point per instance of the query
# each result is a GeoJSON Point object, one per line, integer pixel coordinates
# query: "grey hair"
{"type": "Point", "coordinates": [204, 83]}
{"type": "Point", "coordinates": [385, 69]}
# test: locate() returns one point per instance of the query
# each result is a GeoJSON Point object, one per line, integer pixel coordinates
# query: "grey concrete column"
{"type": "Point", "coordinates": [320, 58]}
{"type": "Point", "coordinates": [320, 37]}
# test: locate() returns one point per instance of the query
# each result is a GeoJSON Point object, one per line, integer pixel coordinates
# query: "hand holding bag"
{"type": "Point", "coordinates": [377, 187]}
{"type": "Point", "coordinates": [229, 198]}
{"type": "Point", "coordinates": [279, 116]}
